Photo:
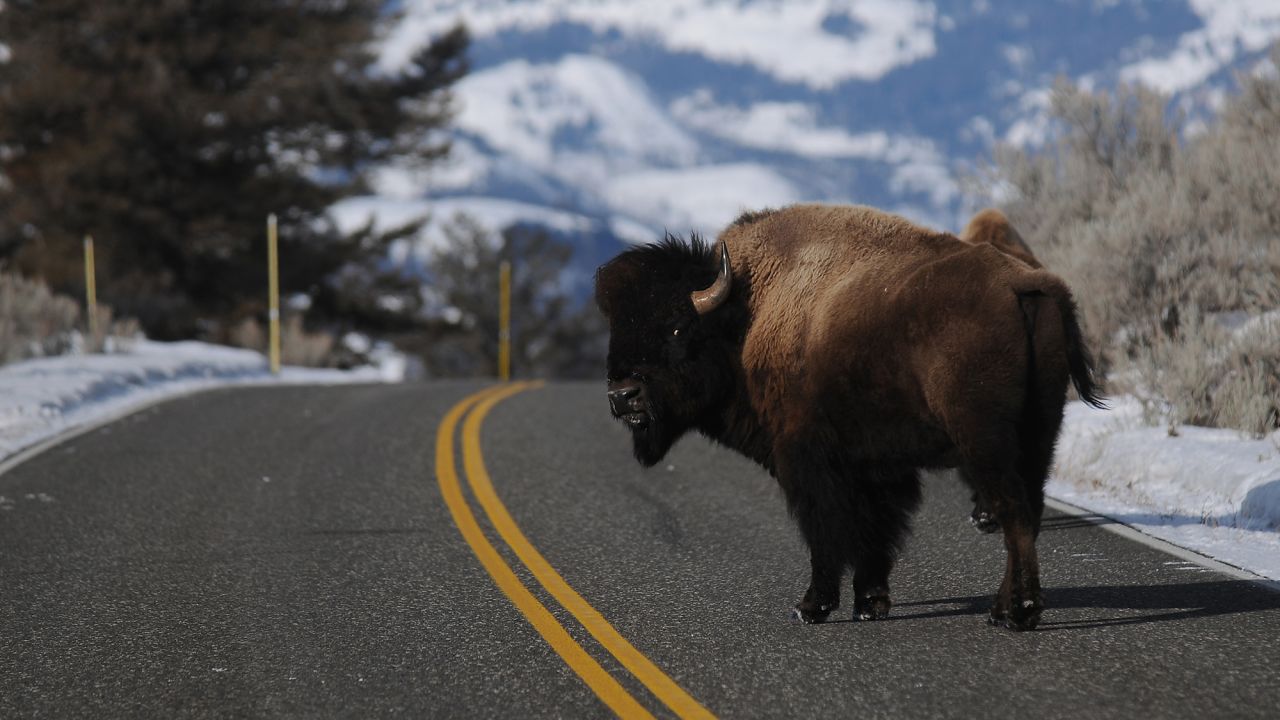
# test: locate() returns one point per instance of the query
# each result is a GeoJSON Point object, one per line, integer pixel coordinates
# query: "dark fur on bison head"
{"type": "Point", "coordinates": [667, 365]}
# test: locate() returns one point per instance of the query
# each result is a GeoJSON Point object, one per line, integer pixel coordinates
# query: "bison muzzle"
{"type": "Point", "coordinates": [845, 349]}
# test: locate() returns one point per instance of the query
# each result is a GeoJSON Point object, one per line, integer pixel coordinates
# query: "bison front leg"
{"type": "Point", "coordinates": [811, 504]}
{"type": "Point", "coordinates": [883, 504]}
{"type": "Point", "coordinates": [823, 595]}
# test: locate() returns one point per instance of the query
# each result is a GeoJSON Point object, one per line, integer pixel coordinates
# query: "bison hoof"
{"type": "Point", "coordinates": [983, 521]}
{"type": "Point", "coordinates": [1023, 615]}
{"type": "Point", "coordinates": [872, 608]}
{"type": "Point", "coordinates": [811, 615]}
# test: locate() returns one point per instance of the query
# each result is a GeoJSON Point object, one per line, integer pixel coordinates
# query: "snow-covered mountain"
{"type": "Point", "coordinates": [611, 119]}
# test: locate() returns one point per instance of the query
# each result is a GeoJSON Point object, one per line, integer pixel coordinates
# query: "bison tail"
{"type": "Point", "coordinates": [1079, 359]}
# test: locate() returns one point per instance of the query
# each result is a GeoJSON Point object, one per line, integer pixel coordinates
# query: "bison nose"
{"type": "Point", "coordinates": [625, 393]}
{"type": "Point", "coordinates": [620, 399]}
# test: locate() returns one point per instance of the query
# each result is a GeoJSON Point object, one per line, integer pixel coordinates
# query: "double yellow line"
{"type": "Point", "coordinates": [471, 412]}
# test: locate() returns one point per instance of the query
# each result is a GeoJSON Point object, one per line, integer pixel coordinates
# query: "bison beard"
{"type": "Point", "coordinates": [651, 440]}
{"type": "Point", "coordinates": [845, 349]}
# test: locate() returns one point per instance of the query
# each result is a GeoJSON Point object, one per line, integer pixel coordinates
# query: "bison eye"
{"type": "Point", "coordinates": [676, 332]}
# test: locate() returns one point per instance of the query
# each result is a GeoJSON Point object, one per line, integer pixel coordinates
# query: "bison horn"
{"type": "Point", "coordinates": [704, 301]}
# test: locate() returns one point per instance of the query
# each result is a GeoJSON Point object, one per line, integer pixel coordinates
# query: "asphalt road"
{"type": "Point", "coordinates": [287, 552]}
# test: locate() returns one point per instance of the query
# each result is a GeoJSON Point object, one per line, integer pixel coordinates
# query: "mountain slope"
{"type": "Point", "coordinates": [622, 118]}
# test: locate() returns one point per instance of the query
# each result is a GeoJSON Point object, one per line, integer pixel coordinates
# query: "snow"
{"type": "Point", "coordinates": [793, 127]}
{"type": "Point", "coordinates": [46, 397]}
{"type": "Point", "coordinates": [631, 231]}
{"type": "Point", "coordinates": [703, 199]}
{"type": "Point", "coordinates": [581, 119]}
{"type": "Point", "coordinates": [1207, 490]}
{"type": "Point", "coordinates": [817, 43]}
{"type": "Point", "coordinates": [388, 212]}
{"type": "Point", "coordinates": [1231, 28]}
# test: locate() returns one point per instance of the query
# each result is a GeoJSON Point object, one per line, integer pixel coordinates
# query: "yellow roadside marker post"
{"type": "Point", "coordinates": [90, 289]}
{"type": "Point", "coordinates": [273, 292]}
{"type": "Point", "coordinates": [504, 321]}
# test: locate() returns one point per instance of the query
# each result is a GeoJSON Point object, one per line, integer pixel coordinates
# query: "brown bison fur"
{"type": "Point", "coordinates": [849, 349]}
{"type": "Point", "coordinates": [990, 226]}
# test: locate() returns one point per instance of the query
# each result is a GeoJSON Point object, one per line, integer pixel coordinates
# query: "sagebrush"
{"type": "Point", "coordinates": [1170, 239]}
{"type": "Point", "coordinates": [35, 322]}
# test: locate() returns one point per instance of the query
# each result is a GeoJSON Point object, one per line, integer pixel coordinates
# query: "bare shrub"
{"type": "Point", "coordinates": [1213, 375]}
{"type": "Point", "coordinates": [1158, 234]}
{"type": "Point", "coordinates": [33, 320]}
{"type": "Point", "coordinates": [248, 333]}
{"type": "Point", "coordinates": [298, 346]}
{"type": "Point", "coordinates": [111, 334]}
{"type": "Point", "coordinates": [552, 334]}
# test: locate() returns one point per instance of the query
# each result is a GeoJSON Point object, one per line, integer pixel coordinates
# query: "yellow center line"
{"type": "Point", "coordinates": [601, 682]}
{"type": "Point", "coordinates": [662, 686]}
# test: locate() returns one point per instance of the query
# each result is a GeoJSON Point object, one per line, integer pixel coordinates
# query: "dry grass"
{"type": "Point", "coordinates": [1160, 235]}
{"type": "Point", "coordinates": [1212, 374]}
{"type": "Point", "coordinates": [297, 345]}
{"type": "Point", "coordinates": [35, 322]}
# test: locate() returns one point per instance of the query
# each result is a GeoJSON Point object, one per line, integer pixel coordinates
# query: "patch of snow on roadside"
{"type": "Point", "coordinates": [43, 398]}
{"type": "Point", "coordinates": [1211, 491]}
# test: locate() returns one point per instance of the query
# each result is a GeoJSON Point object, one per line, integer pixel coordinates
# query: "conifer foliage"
{"type": "Point", "coordinates": [169, 129]}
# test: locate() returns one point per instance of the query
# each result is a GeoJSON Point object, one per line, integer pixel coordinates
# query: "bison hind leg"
{"type": "Point", "coordinates": [1018, 602]}
{"type": "Point", "coordinates": [982, 519]}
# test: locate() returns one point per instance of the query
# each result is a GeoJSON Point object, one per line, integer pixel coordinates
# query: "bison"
{"type": "Point", "coordinates": [844, 349]}
{"type": "Point", "coordinates": [992, 227]}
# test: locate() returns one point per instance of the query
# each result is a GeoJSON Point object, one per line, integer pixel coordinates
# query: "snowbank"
{"type": "Point", "coordinates": [1211, 491]}
{"type": "Point", "coordinates": [42, 398]}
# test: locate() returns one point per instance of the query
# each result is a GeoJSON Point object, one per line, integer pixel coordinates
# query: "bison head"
{"type": "Point", "coordinates": [666, 338]}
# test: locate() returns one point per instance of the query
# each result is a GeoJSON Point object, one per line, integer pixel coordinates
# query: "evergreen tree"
{"type": "Point", "coordinates": [169, 129]}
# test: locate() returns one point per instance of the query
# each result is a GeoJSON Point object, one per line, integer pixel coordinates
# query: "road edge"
{"type": "Point", "coordinates": [75, 430]}
{"type": "Point", "coordinates": [1129, 532]}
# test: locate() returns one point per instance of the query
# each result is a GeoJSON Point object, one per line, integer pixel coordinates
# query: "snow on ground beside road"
{"type": "Point", "coordinates": [43, 398]}
{"type": "Point", "coordinates": [1212, 491]}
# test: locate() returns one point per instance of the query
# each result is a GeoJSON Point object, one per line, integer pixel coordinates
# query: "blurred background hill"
{"type": "Point", "coordinates": [676, 114]}
{"type": "Point", "coordinates": [410, 146]}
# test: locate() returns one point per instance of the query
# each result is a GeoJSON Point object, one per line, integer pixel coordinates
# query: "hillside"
{"type": "Point", "coordinates": [616, 119]}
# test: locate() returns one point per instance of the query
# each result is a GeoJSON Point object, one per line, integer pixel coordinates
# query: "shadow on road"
{"type": "Point", "coordinates": [1073, 522]}
{"type": "Point", "coordinates": [1106, 606]}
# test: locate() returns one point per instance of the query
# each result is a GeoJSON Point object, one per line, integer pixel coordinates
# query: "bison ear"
{"type": "Point", "coordinates": [713, 296]}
